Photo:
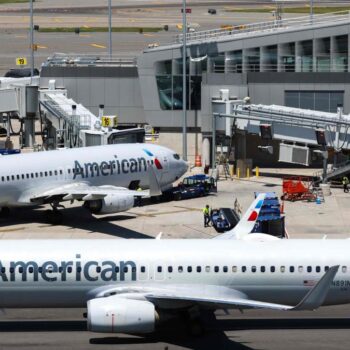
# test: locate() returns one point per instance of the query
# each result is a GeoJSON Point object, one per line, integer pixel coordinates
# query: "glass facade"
{"type": "Point", "coordinates": [169, 83]}
{"type": "Point", "coordinates": [325, 101]}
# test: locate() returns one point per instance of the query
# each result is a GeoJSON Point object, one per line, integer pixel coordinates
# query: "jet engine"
{"type": "Point", "coordinates": [117, 315]}
{"type": "Point", "coordinates": [110, 204]}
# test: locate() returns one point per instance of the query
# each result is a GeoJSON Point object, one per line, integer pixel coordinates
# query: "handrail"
{"type": "Point", "coordinates": [275, 25]}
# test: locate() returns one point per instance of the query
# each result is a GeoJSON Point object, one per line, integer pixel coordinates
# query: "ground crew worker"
{"type": "Point", "coordinates": [345, 184]}
{"type": "Point", "coordinates": [206, 213]}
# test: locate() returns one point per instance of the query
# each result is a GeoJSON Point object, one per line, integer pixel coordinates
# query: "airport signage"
{"type": "Point", "coordinates": [21, 61]}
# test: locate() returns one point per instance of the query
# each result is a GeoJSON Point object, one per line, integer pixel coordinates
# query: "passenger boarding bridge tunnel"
{"type": "Point", "coordinates": [300, 132]}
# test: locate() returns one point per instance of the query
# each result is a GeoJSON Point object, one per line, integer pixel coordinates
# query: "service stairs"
{"type": "Point", "coordinates": [342, 169]}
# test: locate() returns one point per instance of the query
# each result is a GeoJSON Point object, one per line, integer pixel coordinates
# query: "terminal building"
{"type": "Point", "coordinates": [301, 62]}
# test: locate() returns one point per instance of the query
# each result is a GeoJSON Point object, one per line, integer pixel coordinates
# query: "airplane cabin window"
{"type": "Point", "coordinates": [56, 173]}
{"type": "Point", "coordinates": [318, 268]}
{"type": "Point", "coordinates": [98, 269]}
{"type": "Point", "coordinates": [207, 269]}
{"type": "Point", "coordinates": [244, 268]}
{"type": "Point", "coordinates": [12, 270]}
{"type": "Point", "coordinates": [20, 269]}
{"type": "Point", "coordinates": [79, 269]}
{"type": "Point", "coordinates": [12, 177]}
{"type": "Point", "coordinates": [27, 176]}
{"type": "Point", "coordinates": [30, 269]}
{"type": "Point", "coordinates": [234, 269]}
{"type": "Point", "coordinates": [45, 173]}
{"type": "Point", "coordinates": [32, 175]}
{"type": "Point", "coordinates": [225, 269]}
{"type": "Point", "coordinates": [343, 269]}
{"type": "Point", "coordinates": [69, 269]}
{"type": "Point", "coordinates": [180, 269]}
{"type": "Point", "coordinates": [326, 268]}
{"type": "Point", "coordinates": [68, 171]}
{"type": "Point", "coordinates": [61, 172]}
{"type": "Point", "coordinates": [2, 178]}
{"type": "Point", "coordinates": [176, 156]}
{"type": "Point", "coordinates": [300, 269]}
{"type": "Point", "coordinates": [282, 269]}
{"type": "Point", "coordinates": [291, 269]}
{"type": "Point", "coordinates": [199, 269]}
{"type": "Point", "coordinates": [50, 173]}
{"type": "Point", "coordinates": [8, 178]}
{"type": "Point", "coordinates": [36, 175]}
{"type": "Point", "coordinates": [22, 176]}
{"type": "Point", "coordinates": [41, 174]}
{"type": "Point", "coordinates": [216, 269]}
{"type": "Point", "coordinates": [3, 270]}
{"type": "Point", "coordinates": [309, 269]}
{"type": "Point", "coordinates": [189, 268]}
{"type": "Point", "coordinates": [18, 177]}
{"type": "Point", "coordinates": [116, 269]}
{"type": "Point", "coordinates": [272, 269]}
{"type": "Point", "coordinates": [125, 269]}
{"type": "Point", "coordinates": [262, 269]}
{"type": "Point", "coordinates": [40, 269]}
{"type": "Point", "coordinates": [254, 269]}
{"type": "Point", "coordinates": [170, 269]}
{"type": "Point", "coordinates": [159, 269]}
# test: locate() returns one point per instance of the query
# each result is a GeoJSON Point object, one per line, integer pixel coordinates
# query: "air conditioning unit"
{"type": "Point", "coordinates": [294, 154]}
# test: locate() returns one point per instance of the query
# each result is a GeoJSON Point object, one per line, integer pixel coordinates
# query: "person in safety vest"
{"type": "Point", "coordinates": [206, 213]}
{"type": "Point", "coordinates": [345, 182]}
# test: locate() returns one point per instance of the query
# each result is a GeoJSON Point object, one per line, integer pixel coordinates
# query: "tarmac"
{"type": "Point", "coordinates": [327, 328]}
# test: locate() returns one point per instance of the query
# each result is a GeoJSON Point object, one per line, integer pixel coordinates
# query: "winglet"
{"type": "Point", "coordinates": [247, 223]}
{"type": "Point", "coordinates": [317, 295]}
{"type": "Point", "coordinates": [154, 187]}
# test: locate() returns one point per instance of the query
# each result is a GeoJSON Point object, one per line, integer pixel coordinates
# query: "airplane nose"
{"type": "Point", "coordinates": [184, 167]}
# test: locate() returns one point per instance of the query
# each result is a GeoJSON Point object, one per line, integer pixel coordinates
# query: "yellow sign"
{"type": "Point", "coordinates": [110, 121]}
{"type": "Point", "coordinates": [21, 61]}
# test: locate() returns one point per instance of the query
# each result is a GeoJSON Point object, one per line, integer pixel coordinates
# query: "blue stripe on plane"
{"type": "Point", "coordinates": [259, 205]}
{"type": "Point", "coordinates": [148, 152]}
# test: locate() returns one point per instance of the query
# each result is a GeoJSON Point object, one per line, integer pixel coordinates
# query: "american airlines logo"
{"type": "Point", "coordinates": [106, 168]}
{"type": "Point", "coordinates": [51, 271]}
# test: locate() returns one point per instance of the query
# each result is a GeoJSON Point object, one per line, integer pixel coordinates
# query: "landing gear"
{"type": "Point", "coordinates": [194, 322]}
{"type": "Point", "coordinates": [4, 212]}
{"type": "Point", "coordinates": [54, 216]}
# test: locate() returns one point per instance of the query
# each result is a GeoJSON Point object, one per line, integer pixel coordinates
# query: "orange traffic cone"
{"type": "Point", "coordinates": [198, 161]}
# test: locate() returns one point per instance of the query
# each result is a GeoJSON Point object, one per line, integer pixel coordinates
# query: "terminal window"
{"type": "Point", "coordinates": [325, 101]}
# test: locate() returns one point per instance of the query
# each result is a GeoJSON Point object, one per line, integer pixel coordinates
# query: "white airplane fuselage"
{"type": "Point", "coordinates": [68, 273]}
{"type": "Point", "coordinates": [117, 165]}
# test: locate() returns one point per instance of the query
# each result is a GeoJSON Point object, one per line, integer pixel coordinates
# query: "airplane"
{"type": "Point", "coordinates": [105, 178]}
{"type": "Point", "coordinates": [131, 286]}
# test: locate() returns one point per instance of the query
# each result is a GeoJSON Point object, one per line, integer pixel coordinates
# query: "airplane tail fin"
{"type": "Point", "coordinates": [247, 222]}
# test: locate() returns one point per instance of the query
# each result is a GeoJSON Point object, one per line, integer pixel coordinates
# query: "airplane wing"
{"type": "Point", "coordinates": [80, 191]}
{"type": "Point", "coordinates": [216, 297]}
{"type": "Point", "coordinates": [247, 222]}
{"type": "Point", "coordinates": [83, 191]}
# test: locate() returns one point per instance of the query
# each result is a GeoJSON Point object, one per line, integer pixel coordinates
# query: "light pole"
{"type": "Point", "coordinates": [110, 28]}
{"type": "Point", "coordinates": [31, 39]}
{"type": "Point", "coordinates": [184, 111]}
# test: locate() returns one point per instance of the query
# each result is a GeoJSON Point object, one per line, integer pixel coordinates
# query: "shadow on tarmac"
{"type": "Point", "coordinates": [175, 333]}
{"type": "Point", "coordinates": [75, 218]}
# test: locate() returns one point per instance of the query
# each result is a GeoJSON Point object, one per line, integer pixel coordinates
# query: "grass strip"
{"type": "Point", "coordinates": [100, 29]}
{"type": "Point", "coordinates": [12, 1]}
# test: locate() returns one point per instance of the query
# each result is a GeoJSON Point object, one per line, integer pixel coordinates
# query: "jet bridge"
{"type": "Point", "coordinates": [70, 124]}
{"type": "Point", "coordinates": [300, 132]}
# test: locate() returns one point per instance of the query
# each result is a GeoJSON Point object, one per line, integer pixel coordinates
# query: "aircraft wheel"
{"type": "Point", "coordinates": [54, 217]}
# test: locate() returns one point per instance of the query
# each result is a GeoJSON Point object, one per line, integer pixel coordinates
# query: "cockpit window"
{"type": "Point", "coordinates": [176, 156]}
